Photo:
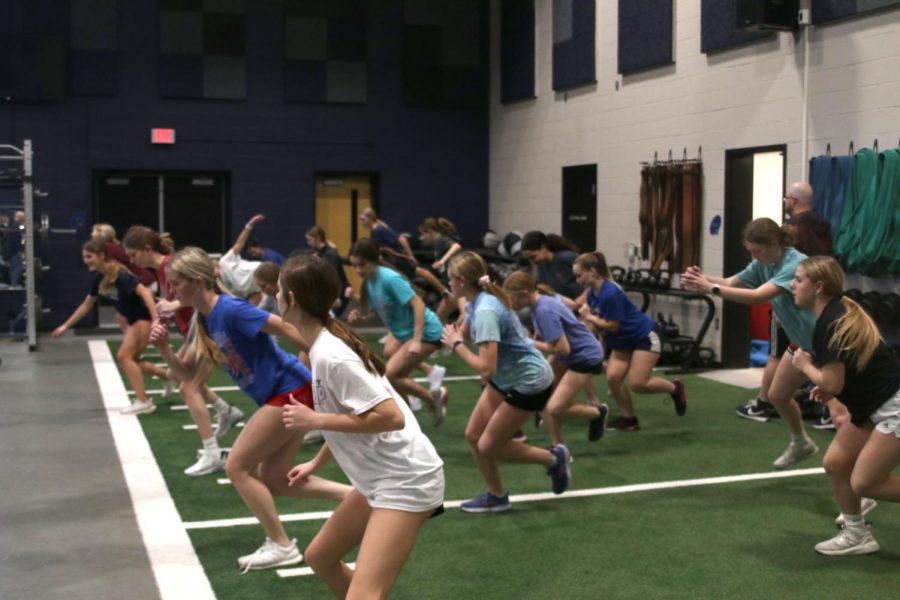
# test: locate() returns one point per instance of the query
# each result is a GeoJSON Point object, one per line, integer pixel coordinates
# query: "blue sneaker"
{"type": "Point", "coordinates": [486, 502]}
{"type": "Point", "coordinates": [561, 471]}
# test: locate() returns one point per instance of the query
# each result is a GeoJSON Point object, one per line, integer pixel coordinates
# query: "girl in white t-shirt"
{"type": "Point", "coordinates": [396, 473]}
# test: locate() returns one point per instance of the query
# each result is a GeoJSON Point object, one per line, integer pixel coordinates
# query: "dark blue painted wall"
{"type": "Point", "coordinates": [429, 162]}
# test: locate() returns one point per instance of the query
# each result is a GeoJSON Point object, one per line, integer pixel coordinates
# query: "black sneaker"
{"type": "Point", "coordinates": [757, 410]}
{"type": "Point", "coordinates": [679, 397]}
{"type": "Point", "coordinates": [597, 427]}
{"type": "Point", "coordinates": [624, 424]}
{"type": "Point", "coordinates": [824, 421]}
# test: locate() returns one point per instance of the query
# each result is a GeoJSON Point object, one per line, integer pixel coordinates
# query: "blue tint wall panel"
{"type": "Point", "coordinates": [645, 34]}
{"type": "Point", "coordinates": [516, 50]}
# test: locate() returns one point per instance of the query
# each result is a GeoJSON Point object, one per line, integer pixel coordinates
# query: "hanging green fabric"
{"type": "Point", "coordinates": [877, 227]}
{"type": "Point", "coordinates": [891, 256]}
{"type": "Point", "coordinates": [860, 192]}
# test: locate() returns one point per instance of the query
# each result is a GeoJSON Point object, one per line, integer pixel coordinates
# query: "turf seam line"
{"type": "Point", "coordinates": [539, 497]}
{"type": "Point", "coordinates": [174, 562]}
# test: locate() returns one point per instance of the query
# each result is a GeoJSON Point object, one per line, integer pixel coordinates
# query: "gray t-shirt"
{"type": "Point", "coordinates": [520, 366]}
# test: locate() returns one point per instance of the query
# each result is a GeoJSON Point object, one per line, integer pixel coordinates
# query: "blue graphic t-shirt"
{"type": "Point", "coordinates": [389, 294]}
{"type": "Point", "coordinates": [520, 366]}
{"type": "Point", "coordinates": [798, 323]}
{"type": "Point", "coordinates": [552, 320]}
{"type": "Point", "coordinates": [611, 304]}
{"type": "Point", "coordinates": [259, 366]}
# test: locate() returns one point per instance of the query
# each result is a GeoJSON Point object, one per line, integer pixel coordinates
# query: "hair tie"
{"type": "Point", "coordinates": [484, 280]}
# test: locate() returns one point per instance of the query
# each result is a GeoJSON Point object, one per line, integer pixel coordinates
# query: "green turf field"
{"type": "Point", "coordinates": [734, 540]}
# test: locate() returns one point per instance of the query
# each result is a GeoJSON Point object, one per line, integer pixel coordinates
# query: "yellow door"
{"type": "Point", "coordinates": [338, 202]}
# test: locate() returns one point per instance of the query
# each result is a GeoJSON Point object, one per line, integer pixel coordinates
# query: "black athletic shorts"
{"type": "Point", "coordinates": [530, 402]}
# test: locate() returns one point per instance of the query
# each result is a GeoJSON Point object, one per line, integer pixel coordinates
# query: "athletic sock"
{"type": "Point", "coordinates": [799, 438]}
{"type": "Point", "coordinates": [854, 521]}
{"type": "Point", "coordinates": [211, 443]}
{"type": "Point", "coordinates": [220, 405]}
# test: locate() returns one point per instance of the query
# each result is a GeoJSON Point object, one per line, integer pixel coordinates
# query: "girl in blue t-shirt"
{"type": "Point", "coordinates": [575, 354]}
{"type": "Point", "coordinates": [517, 383]}
{"type": "Point", "coordinates": [236, 335]}
{"type": "Point", "coordinates": [135, 303]}
{"type": "Point", "coordinates": [414, 331]}
{"type": "Point", "coordinates": [630, 338]}
{"type": "Point", "coordinates": [768, 278]}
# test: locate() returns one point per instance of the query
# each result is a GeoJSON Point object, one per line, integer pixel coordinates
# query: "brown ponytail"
{"type": "Point", "coordinates": [595, 261]}
{"type": "Point", "coordinates": [471, 267]}
{"type": "Point", "coordinates": [139, 237]}
{"type": "Point", "coordinates": [316, 287]}
{"type": "Point", "coordinates": [765, 231]}
{"type": "Point", "coordinates": [523, 282]}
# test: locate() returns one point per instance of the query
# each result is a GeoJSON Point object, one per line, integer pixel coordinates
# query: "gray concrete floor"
{"type": "Point", "coordinates": [67, 529]}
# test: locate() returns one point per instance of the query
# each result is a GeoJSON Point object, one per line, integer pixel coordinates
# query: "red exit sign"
{"type": "Point", "coordinates": [162, 136]}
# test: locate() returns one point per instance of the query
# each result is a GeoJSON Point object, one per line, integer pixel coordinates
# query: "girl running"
{"type": "Point", "coordinates": [396, 250]}
{"type": "Point", "coordinates": [575, 354]}
{"type": "Point", "coordinates": [237, 335]}
{"type": "Point", "coordinates": [153, 250]}
{"type": "Point", "coordinates": [517, 382]}
{"type": "Point", "coordinates": [441, 235]}
{"type": "Point", "coordinates": [850, 364]}
{"type": "Point", "coordinates": [414, 330]}
{"type": "Point", "coordinates": [134, 302]}
{"type": "Point", "coordinates": [630, 338]}
{"type": "Point", "coordinates": [768, 277]}
{"type": "Point", "coordinates": [397, 475]}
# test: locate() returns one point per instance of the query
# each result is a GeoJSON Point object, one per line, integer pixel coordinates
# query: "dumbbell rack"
{"type": "Point", "coordinates": [25, 155]}
{"type": "Point", "coordinates": [690, 360]}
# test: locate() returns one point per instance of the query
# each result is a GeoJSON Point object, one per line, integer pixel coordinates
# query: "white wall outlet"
{"type": "Point", "coordinates": [803, 16]}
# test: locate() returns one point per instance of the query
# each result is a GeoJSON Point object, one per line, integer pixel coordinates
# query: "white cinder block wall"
{"type": "Point", "coordinates": [744, 97]}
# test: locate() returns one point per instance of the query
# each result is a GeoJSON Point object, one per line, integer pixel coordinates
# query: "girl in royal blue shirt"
{"type": "Point", "coordinates": [630, 338]}
{"type": "Point", "coordinates": [236, 335]}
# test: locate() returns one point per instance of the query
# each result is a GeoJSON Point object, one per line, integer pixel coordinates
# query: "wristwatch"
{"type": "Point", "coordinates": [716, 289]}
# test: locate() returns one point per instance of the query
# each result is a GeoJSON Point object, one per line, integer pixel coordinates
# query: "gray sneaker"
{"type": "Point", "coordinates": [850, 541]}
{"type": "Point", "coordinates": [867, 504]}
{"type": "Point", "coordinates": [228, 419]}
{"type": "Point", "coordinates": [795, 453]}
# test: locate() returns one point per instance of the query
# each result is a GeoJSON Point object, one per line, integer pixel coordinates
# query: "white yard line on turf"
{"type": "Point", "coordinates": [193, 427]}
{"type": "Point", "coordinates": [539, 497]}
{"type": "Point", "coordinates": [303, 571]}
{"type": "Point", "coordinates": [234, 388]}
{"type": "Point", "coordinates": [175, 565]}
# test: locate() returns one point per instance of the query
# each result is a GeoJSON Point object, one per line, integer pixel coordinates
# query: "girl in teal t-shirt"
{"type": "Point", "coordinates": [414, 330]}
{"type": "Point", "coordinates": [768, 278]}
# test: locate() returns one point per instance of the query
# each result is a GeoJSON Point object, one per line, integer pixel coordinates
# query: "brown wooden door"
{"type": "Point", "coordinates": [338, 202]}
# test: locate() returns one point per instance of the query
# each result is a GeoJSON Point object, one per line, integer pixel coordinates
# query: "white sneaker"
{"type": "Point", "coordinates": [139, 408]}
{"type": "Point", "coordinates": [228, 419]}
{"type": "Point", "coordinates": [795, 453]}
{"type": "Point", "coordinates": [867, 505]}
{"type": "Point", "coordinates": [270, 555]}
{"type": "Point", "coordinates": [169, 387]}
{"type": "Point", "coordinates": [850, 541]}
{"type": "Point", "coordinates": [439, 405]}
{"type": "Point", "coordinates": [415, 403]}
{"type": "Point", "coordinates": [211, 461]}
{"type": "Point", "coordinates": [436, 378]}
